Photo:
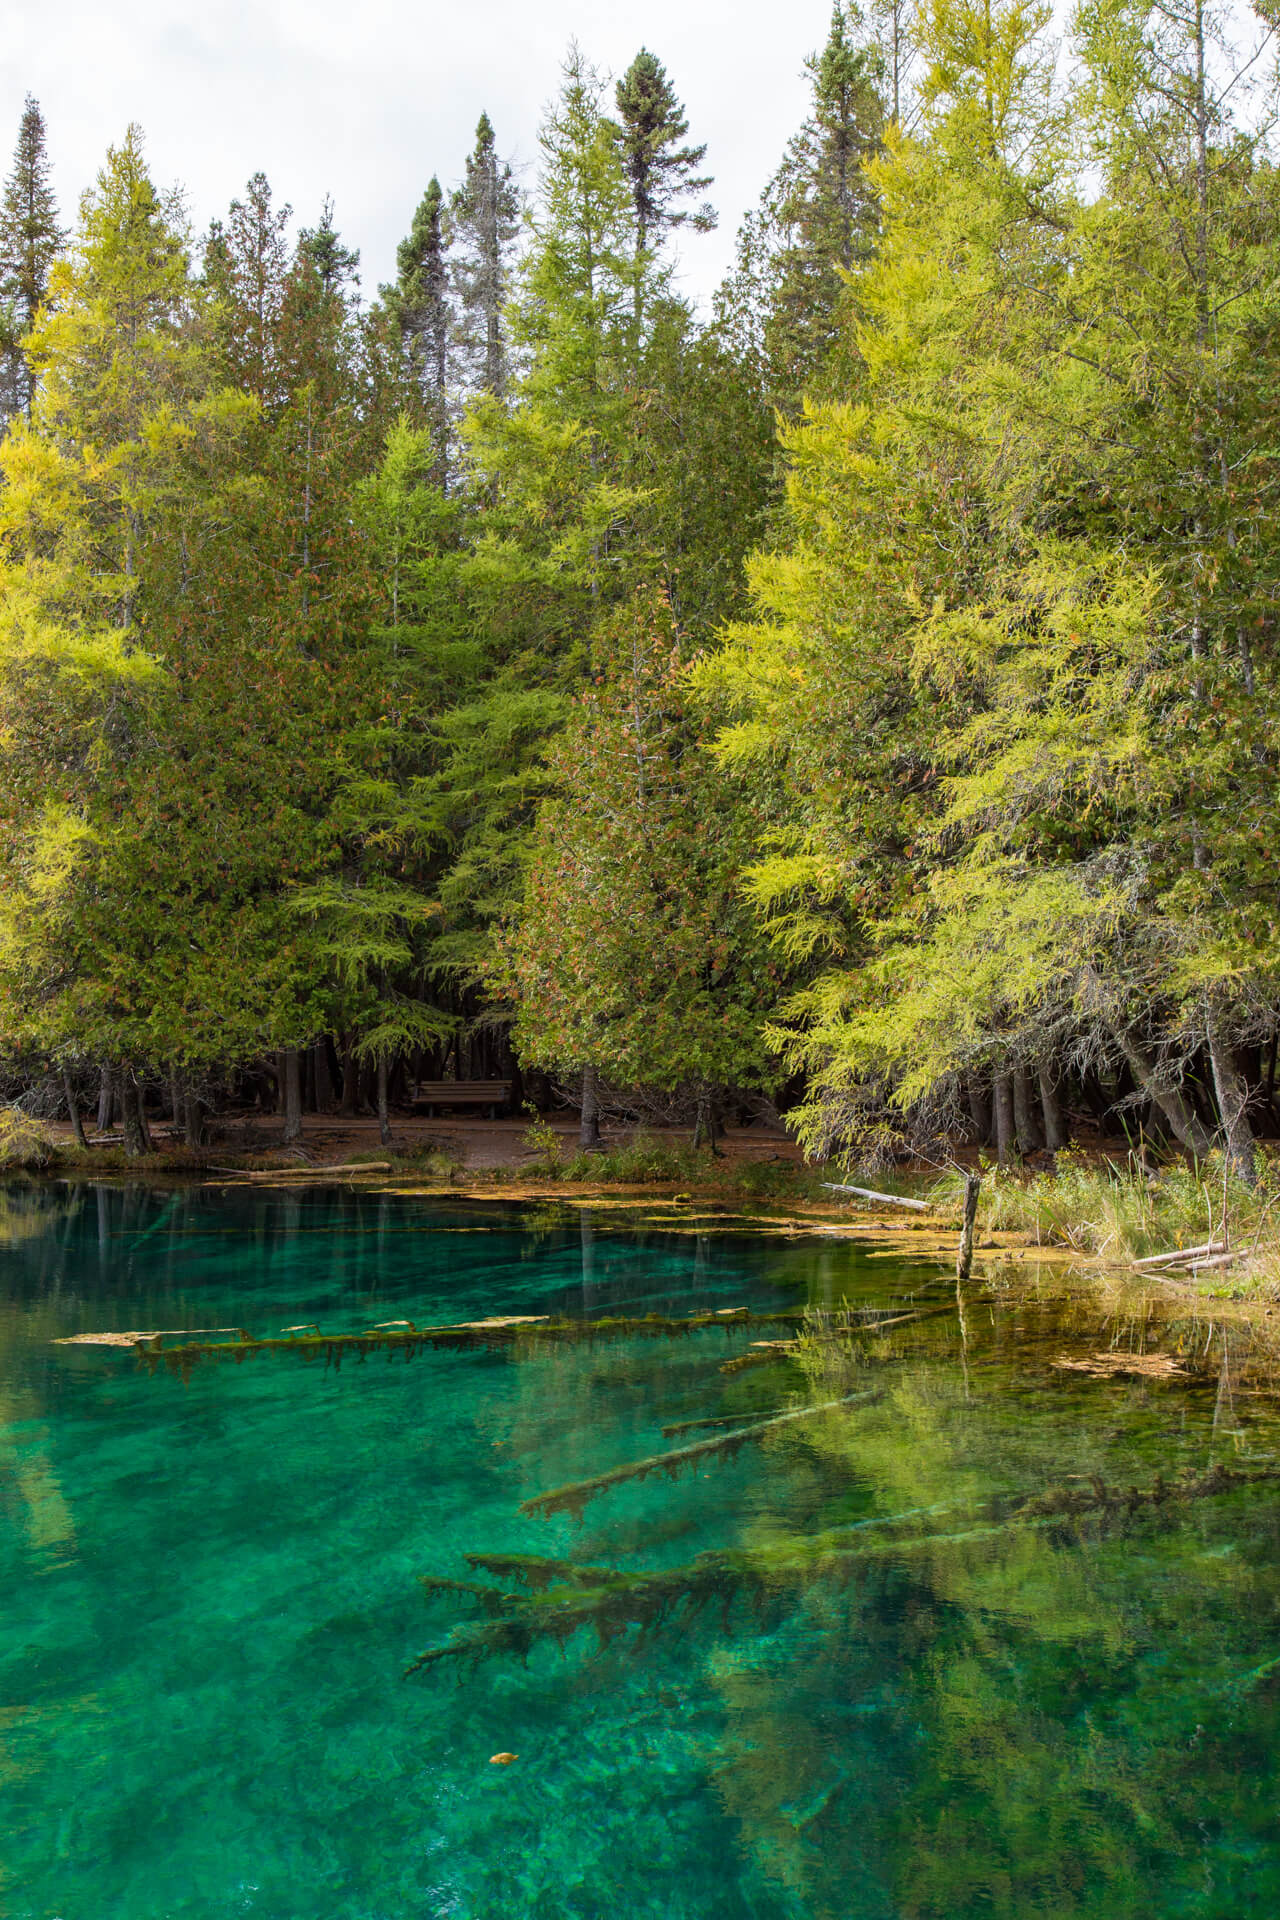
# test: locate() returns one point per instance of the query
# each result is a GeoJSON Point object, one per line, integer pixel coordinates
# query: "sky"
{"type": "Point", "coordinates": [366, 100]}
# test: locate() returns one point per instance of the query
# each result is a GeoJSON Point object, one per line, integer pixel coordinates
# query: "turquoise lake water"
{"type": "Point", "coordinates": [963, 1707]}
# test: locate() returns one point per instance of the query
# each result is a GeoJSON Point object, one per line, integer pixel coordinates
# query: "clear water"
{"type": "Point", "coordinates": [210, 1592]}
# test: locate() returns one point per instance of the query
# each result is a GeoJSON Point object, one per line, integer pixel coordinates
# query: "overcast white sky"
{"type": "Point", "coordinates": [366, 101]}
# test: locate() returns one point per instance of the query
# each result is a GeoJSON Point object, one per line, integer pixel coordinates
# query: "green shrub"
{"type": "Point", "coordinates": [26, 1145]}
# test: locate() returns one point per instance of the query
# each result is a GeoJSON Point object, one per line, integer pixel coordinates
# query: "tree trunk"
{"type": "Point", "coordinates": [1055, 1122]}
{"type": "Point", "coordinates": [192, 1117]}
{"type": "Point", "coordinates": [73, 1109]}
{"type": "Point", "coordinates": [964, 1259]}
{"type": "Point", "coordinates": [1006, 1151]}
{"type": "Point", "coordinates": [106, 1101]}
{"type": "Point", "coordinates": [980, 1112]}
{"type": "Point", "coordinates": [704, 1123]}
{"type": "Point", "coordinates": [1171, 1102]}
{"type": "Point", "coordinates": [384, 1115]}
{"type": "Point", "coordinates": [589, 1130]}
{"type": "Point", "coordinates": [324, 1079]}
{"type": "Point", "coordinates": [350, 1079]}
{"type": "Point", "coordinates": [1233, 1097]}
{"type": "Point", "coordinates": [291, 1095]}
{"type": "Point", "coordinates": [1025, 1120]}
{"type": "Point", "coordinates": [135, 1144]}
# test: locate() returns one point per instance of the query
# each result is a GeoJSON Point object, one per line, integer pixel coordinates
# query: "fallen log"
{"type": "Point", "coordinates": [885, 1199]}
{"type": "Point", "coordinates": [1180, 1256]}
{"type": "Point", "coordinates": [305, 1172]}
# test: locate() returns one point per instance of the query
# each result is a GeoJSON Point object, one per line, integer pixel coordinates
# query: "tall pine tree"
{"type": "Point", "coordinates": [30, 239]}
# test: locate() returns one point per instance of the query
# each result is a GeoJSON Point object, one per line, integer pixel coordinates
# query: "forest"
{"type": "Point", "coordinates": [858, 699]}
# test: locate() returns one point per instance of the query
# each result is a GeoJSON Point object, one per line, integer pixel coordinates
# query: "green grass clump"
{"type": "Point", "coordinates": [1124, 1211]}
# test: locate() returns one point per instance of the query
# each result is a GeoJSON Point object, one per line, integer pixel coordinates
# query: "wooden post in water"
{"type": "Point", "coordinates": [964, 1259]}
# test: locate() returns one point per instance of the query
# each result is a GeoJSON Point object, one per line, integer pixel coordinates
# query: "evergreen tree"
{"type": "Point", "coordinates": [338, 266]}
{"type": "Point", "coordinates": [246, 263]}
{"type": "Point", "coordinates": [815, 225]}
{"type": "Point", "coordinates": [486, 220]}
{"type": "Point", "coordinates": [633, 952]}
{"type": "Point", "coordinates": [660, 171]}
{"type": "Point", "coordinates": [421, 304]}
{"type": "Point", "coordinates": [30, 239]}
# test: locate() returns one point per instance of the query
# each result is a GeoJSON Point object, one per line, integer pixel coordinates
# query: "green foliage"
{"type": "Point", "coordinates": [26, 1145]}
{"type": "Point", "coordinates": [634, 949]}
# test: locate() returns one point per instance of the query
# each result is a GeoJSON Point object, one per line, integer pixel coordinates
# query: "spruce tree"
{"type": "Point", "coordinates": [816, 224]}
{"type": "Point", "coordinates": [423, 309]}
{"type": "Point", "coordinates": [30, 238]}
{"type": "Point", "coordinates": [660, 171]}
{"type": "Point", "coordinates": [338, 266]}
{"type": "Point", "coordinates": [486, 220]}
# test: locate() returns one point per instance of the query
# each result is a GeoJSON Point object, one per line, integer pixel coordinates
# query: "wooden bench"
{"type": "Point", "coordinates": [488, 1094]}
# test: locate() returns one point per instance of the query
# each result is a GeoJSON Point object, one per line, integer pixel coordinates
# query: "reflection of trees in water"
{"type": "Point", "coordinates": [1070, 1718]}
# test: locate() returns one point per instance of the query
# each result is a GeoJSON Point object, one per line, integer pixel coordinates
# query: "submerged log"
{"type": "Point", "coordinates": [564, 1599]}
{"type": "Point", "coordinates": [404, 1337]}
{"type": "Point", "coordinates": [573, 1497]}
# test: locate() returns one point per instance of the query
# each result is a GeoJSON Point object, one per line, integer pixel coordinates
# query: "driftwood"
{"type": "Point", "coordinates": [964, 1258]}
{"type": "Point", "coordinates": [1180, 1256]}
{"type": "Point", "coordinates": [885, 1199]}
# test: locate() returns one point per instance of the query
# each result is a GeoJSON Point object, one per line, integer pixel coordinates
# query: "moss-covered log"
{"type": "Point", "coordinates": [406, 1339]}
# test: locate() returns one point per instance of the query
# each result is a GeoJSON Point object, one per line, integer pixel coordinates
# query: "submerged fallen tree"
{"type": "Point", "coordinates": [404, 1337]}
{"type": "Point", "coordinates": [563, 1599]}
{"type": "Point", "coordinates": [573, 1498]}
